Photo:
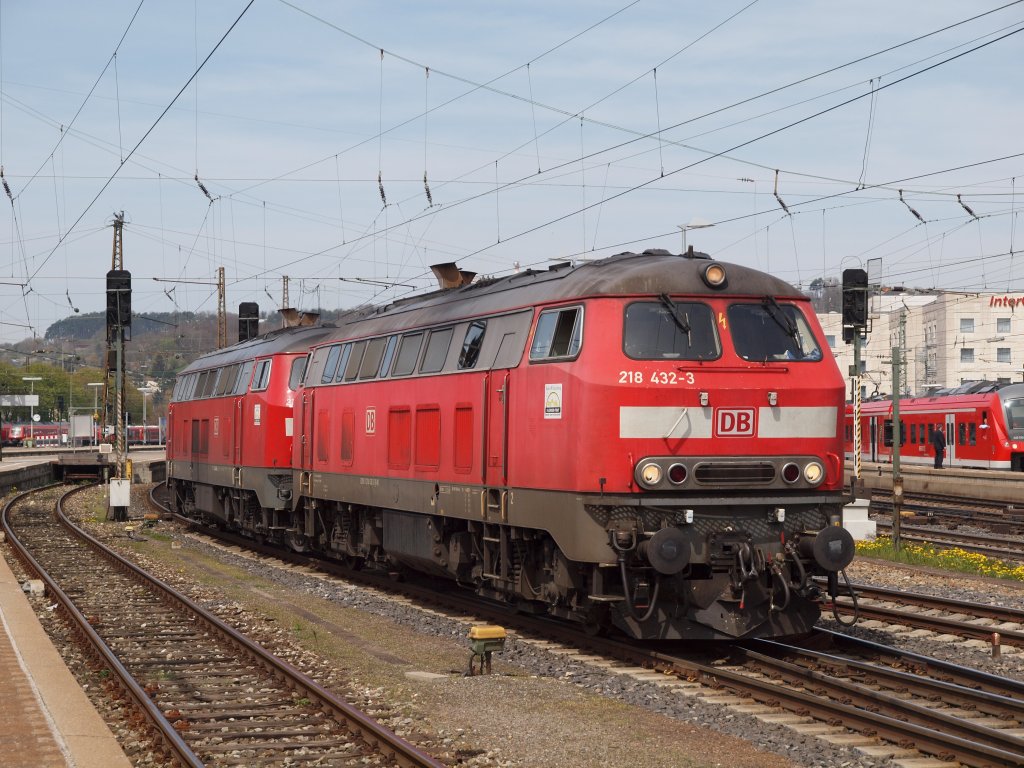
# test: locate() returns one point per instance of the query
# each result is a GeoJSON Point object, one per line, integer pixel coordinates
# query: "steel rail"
{"type": "Point", "coordinates": [372, 732]}
{"type": "Point", "coordinates": [921, 737]}
{"type": "Point", "coordinates": [171, 739]}
{"type": "Point", "coordinates": [947, 604]}
{"type": "Point", "coordinates": [968, 676]}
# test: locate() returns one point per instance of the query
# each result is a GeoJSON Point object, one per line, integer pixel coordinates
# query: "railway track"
{"type": "Point", "coordinates": [971, 621]}
{"type": "Point", "coordinates": [989, 544]}
{"type": "Point", "coordinates": [213, 696]}
{"type": "Point", "coordinates": [886, 701]}
{"type": "Point", "coordinates": [1003, 518]}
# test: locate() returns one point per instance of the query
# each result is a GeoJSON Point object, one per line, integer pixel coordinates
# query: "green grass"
{"type": "Point", "coordinates": [954, 559]}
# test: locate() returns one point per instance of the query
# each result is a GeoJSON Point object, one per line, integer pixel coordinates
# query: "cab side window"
{"type": "Point", "coordinates": [559, 334]}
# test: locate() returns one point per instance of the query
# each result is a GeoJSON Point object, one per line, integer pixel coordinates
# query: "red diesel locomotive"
{"type": "Point", "coordinates": [651, 442]}
{"type": "Point", "coordinates": [983, 424]}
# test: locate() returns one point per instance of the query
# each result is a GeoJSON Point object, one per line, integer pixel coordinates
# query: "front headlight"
{"type": "Point", "coordinates": [814, 473]}
{"type": "Point", "coordinates": [650, 474]}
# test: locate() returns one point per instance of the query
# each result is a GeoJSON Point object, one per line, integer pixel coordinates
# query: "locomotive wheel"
{"type": "Point", "coordinates": [297, 542]}
{"type": "Point", "coordinates": [596, 622]}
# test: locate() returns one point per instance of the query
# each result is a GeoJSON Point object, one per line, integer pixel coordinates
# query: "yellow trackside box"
{"type": "Point", "coordinates": [487, 632]}
{"type": "Point", "coordinates": [484, 640]}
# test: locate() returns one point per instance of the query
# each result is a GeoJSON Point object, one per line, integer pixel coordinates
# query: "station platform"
{"type": "Point", "coordinates": [46, 720]}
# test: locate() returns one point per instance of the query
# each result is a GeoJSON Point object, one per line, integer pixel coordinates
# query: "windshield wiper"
{"type": "Point", "coordinates": [776, 313]}
{"type": "Point", "coordinates": [684, 326]}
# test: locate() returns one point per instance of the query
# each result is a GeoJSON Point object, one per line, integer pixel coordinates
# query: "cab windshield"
{"type": "Point", "coordinates": [1015, 415]}
{"type": "Point", "coordinates": [670, 330]}
{"type": "Point", "coordinates": [770, 331]}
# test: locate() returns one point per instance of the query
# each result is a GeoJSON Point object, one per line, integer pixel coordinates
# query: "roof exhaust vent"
{"type": "Point", "coordinates": [450, 276]}
{"type": "Point", "coordinates": [293, 318]}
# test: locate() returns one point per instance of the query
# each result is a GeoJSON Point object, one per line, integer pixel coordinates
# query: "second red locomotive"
{"type": "Point", "coordinates": [650, 441]}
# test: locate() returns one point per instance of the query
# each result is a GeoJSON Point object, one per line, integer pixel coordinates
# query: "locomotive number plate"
{"type": "Point", "coordinates": [657, 377]}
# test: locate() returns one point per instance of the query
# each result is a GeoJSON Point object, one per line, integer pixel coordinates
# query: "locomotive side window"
{"type": "Point", "coordinates": [297, 372]}
{"type": "Point", "coordinates": [962, 433]}
{"type": "Point", "coordinates": [471, 343]}
{"type": "Point", "coordinates": [346, 353]}
{"type": "Point", "coordinates": [670, 330]}
{"type": "Point", "coordinates": [331, 365]}
{"type": "Point", "coordinates": [559, 334]}
{"type": "Point", "coordinates": [371, 359]}
{"type": "Point", "coordinates": [261, 379]}
{"type": "Point", "coordinates": [354, 359]}
{"type": "Point", "coordinates": [226, 382]}
{"type": "Point", "coordinates": [243, 377]}
{"type": "Point", "coordinates": [201, 384]}
{"type": "Point", "coordinates": [389, 354]}
{"type": "Point", "coordinates": [408, 351]}
{"type": "Point", "coordinates": [437, 350]}
{"type": "Point", "coordinates": [972, 434]}
{"type": "Point", "coordinates": [770, 331]}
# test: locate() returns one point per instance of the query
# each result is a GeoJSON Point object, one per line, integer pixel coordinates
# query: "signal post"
{"type": "Point", "coordinates": [855, 321]}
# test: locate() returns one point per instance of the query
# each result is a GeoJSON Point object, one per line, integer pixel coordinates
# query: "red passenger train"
{"type": "Point", "coordinates": [55, 434]}
{"type": "Point", "coordinates": [651, 442]}
{"type": "Point", "coordinates": [983, 424]}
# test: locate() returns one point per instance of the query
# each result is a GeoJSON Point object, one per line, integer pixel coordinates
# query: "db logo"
{"type": "Point", "coordinates": [371, 421]}
{"type": "Point", "coordinates": [734, 422]}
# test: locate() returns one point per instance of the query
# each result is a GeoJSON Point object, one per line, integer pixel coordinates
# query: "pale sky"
{"type": "Point", "coordinates": [547, 131]}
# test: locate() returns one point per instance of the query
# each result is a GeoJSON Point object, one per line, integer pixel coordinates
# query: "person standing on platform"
{"type": "Point", "coordinates": [939, 444]}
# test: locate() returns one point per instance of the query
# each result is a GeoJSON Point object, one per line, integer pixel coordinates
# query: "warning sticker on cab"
{"type": "Point", "coordinates": [552, 401]}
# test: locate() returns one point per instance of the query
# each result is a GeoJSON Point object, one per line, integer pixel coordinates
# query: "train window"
{"type": "Point", "coordinates": [437, 350]}
{"type": "Point", "coordinates": [226, 382]}
{"type": "Point", "coordinates": [354, 359]}
{"type": "Point", "coordinates": [972, 434]}
{"type": "Point", "coordinates": [331, 366]}
{"type": "Point", "coordinates": [770, 331]}
{"type": "Point", "coordinates": [471, 343]}
{"type": "Point", "coordinates": [297, 372]}
{"type": "Point", "coordinates": [1014, 415]}
{"type": "Point", "coordinates": [670, 330]}
{"type": "Point", "coordinates": [408, 351]}
{"type": "Point", "coordinates": [243, 377]}
{"type": "Point", "coordinates": [559, 334]}
{"type": "Point", "coordinates": [389, 355]}
{"type": "Point", "coordinates": [190, 387]}
{"type": "Point", "coordinates": [346, 353]}
{"type": "Point", "coordinates": [887, 433]}
{"type": "Point", "coordinates": [201, 384]}
{"type": "Point", "coordinates": [261, 378]}
{"type": "Point", "coordinates": [962, 433]}
{"type": "Point", "coordinates": [913, 433]}
{"type": "Point", "coordinates": [371, 360]}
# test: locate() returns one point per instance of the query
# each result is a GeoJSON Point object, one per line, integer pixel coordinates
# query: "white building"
{"type": "Point", "coordinates": [948, 338]}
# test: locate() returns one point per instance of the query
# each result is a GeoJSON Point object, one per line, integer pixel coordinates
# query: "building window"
{"type": "Point", "coordinates": [966, 325]}
{"type": "Point", "coordinates": [966, 355]}
{"type": "Point", "coordinates": [1002, 325]}
{"type": "Point", "coordinates": [1003, 355]}
{"type": "Point", "coordinates": [830, 339]}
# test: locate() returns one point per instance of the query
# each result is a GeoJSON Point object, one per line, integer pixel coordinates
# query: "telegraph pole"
{"type": "Point", "coordinates": [222, 312]}
{"type": "Point", "coordinates": [897, 434]}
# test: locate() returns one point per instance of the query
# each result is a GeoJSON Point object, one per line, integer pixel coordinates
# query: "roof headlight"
{"type": "Point", "coordinates": [650, 474]}
{"type": "Point", "coordinates": [814, 473]}
{"type": "Point", "coordinates": [714, 275]}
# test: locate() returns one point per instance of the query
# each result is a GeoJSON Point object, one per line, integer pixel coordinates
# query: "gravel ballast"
{"type": "Point", "coordinates": [404, 665]}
